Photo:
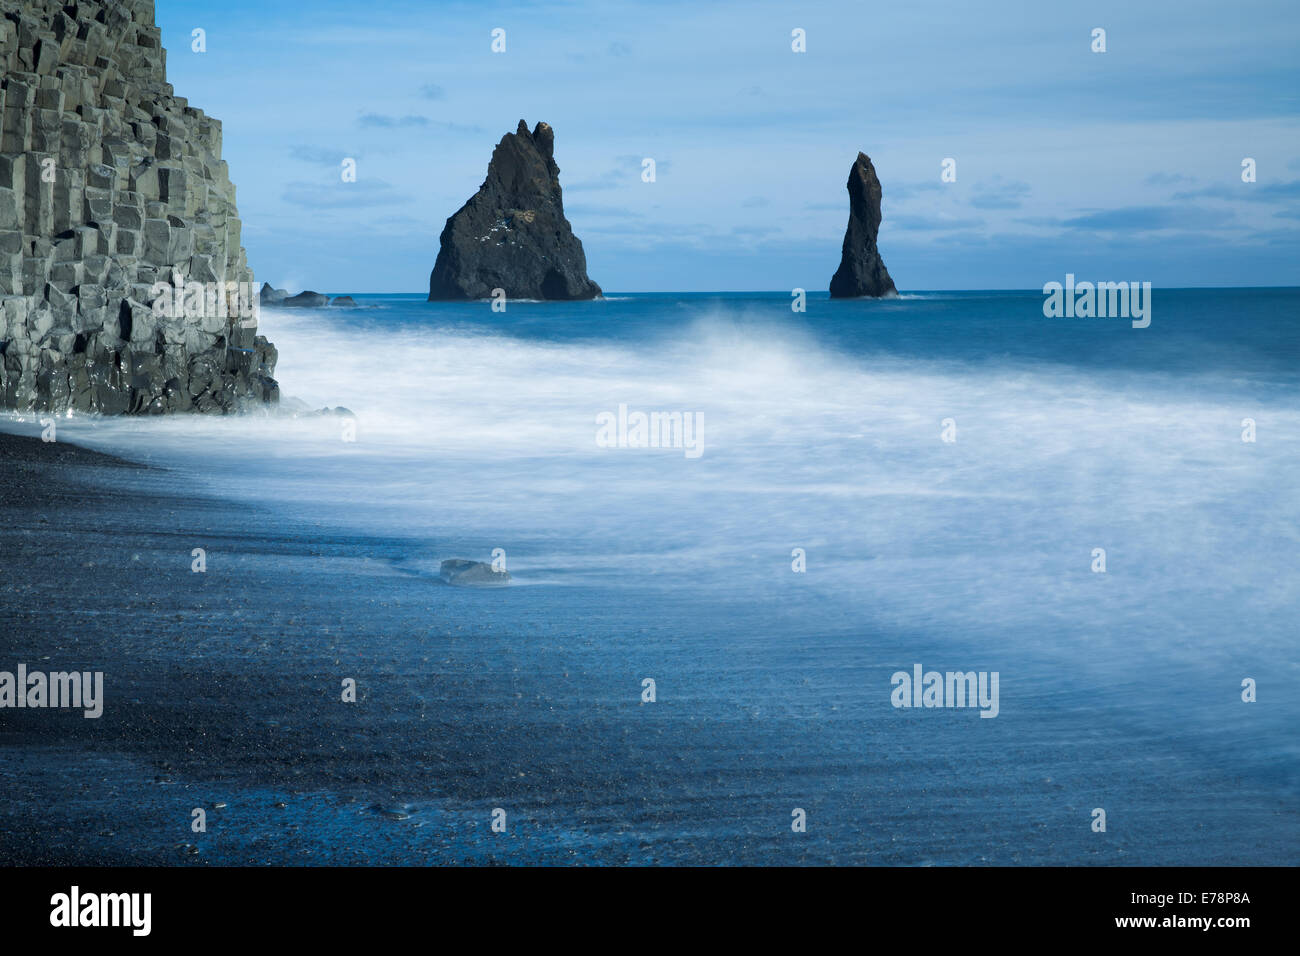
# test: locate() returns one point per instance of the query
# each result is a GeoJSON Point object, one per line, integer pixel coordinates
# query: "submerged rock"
{"type": "Point", "coordinates": [862, 272]}
{"type": "Point", "coordinates": [303, 300]}
{"type": "Point", "coordinates": [400, 811]}
{"type": "Point", "coordinates": [270, 295]}
{"type": "Point", "coordinates": [344, 301]}
{"type": "Point", "coordinates": [300, 409]}
{"type": "Point", "coordinates": [463, 573]}
{"type": "Point", "coordinates": [512, 234]}
{"type": "Point", "coordinates": [306, 300]}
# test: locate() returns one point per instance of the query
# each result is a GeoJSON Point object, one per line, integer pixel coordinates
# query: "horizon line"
{"type": "Point", "coordinates": [826, 292]}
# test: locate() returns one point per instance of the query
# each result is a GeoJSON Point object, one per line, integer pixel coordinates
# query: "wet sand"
{"type": "Point", "coordinates": [223, 692]}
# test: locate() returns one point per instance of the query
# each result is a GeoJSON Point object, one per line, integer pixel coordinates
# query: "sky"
{"type": "Point", "coordinates": [1122, 165]}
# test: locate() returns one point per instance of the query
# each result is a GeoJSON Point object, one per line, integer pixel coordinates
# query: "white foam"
{"type": "Point", "coordinates": [470, 433]}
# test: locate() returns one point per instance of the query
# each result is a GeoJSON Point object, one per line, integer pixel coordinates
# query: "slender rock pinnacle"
{"type": "Point", "coordinates": [862, 272]}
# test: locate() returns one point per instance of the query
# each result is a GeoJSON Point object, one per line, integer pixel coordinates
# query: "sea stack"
{"type": "Point", "coordinates": [862, 272]}
{"type": "Point", "coordinates": [512, 234]}
{"type": "Point", "coordinates": [114, 204]}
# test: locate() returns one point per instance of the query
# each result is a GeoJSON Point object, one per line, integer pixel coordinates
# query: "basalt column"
{"type": "Point", "coordinates": [110, 185]}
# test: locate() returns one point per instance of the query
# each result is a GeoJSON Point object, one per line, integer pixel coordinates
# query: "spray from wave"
{"type": "Point", "coordinates": [472, 434]}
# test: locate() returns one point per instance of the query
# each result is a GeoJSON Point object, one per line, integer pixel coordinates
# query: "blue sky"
{"type": "Point", "coordinates": [1117, 165]}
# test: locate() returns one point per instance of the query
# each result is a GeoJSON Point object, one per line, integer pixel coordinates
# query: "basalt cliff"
{"type": "Point", "coordinates": [862, 272]}
{"type": "Point", "coordinates": [123, 285]}
{"type": "Point", "coordinates": [512, 234]}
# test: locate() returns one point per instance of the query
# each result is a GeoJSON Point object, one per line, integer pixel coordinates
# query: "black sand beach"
{"type": "Point", "coordinates": [987, 557]}
{"type": "Point", "coordinates": [208, 679]}
{"type": "Point", "coordinates": [223, 693]}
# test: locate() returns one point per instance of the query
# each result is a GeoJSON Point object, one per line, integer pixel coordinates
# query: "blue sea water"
{"type": "Point", "coordinates": [822, 431]}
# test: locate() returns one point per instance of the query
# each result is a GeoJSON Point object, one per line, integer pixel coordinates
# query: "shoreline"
{"type": "Point", "coordinates": [222, 693]}
{"type": "Point", "coordinates": [24, 451]}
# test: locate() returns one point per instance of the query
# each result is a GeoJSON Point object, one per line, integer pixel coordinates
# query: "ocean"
{"type": "Point", "coordinates": [874, 485]}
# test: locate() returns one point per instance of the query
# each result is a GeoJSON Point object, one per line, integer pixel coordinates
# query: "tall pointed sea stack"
{"type": "Point", "coordinates": [512, 234]}
{"type": "Point", "coordinates": [862, 272]}
{"type": "Point", "coordinates": [111, 189]}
